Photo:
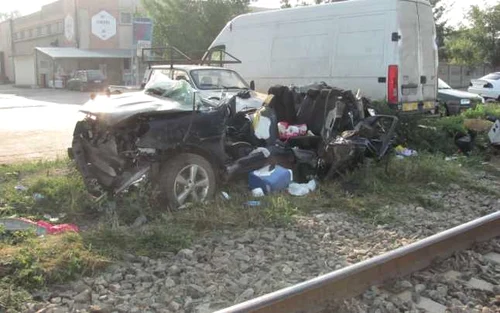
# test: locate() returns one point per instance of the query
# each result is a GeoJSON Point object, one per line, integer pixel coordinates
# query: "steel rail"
{"type": "Point", "coordinates": [323, 292]}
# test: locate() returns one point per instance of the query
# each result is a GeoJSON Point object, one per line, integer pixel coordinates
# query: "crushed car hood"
{"type": "Point", "coordinates": [114, 109]}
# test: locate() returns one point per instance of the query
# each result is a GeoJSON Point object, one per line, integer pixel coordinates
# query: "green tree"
{"type": "Point", "coordinates": [191, 25]}
{"type": "Point", "coordinates": [479, 43]}
{"type": "Point", "coordinates": [443, 30]}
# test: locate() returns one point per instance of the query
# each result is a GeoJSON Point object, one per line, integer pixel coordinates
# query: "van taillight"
{"type": "Point", "coordinates": [392, 85]}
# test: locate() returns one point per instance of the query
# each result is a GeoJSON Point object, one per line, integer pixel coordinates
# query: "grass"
{"type": "Point", "coordinates": [483, 111]}
{"type": "Point", "coordinates": [33, 263]}
{"type": "Point", "coordinates": [59, 184]}
{"type": "Point", "coordinates": [371, 192]}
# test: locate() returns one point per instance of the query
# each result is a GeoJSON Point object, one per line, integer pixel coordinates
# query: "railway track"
{"type": "Point", "coordinates": [325, 293]}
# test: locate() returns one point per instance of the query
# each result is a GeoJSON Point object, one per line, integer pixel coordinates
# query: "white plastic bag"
{"type": "Point", "coordinates": [300, 190]}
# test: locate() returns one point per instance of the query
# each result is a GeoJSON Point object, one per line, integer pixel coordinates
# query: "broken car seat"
{"type": "Point", "coordinates": [283, 104]}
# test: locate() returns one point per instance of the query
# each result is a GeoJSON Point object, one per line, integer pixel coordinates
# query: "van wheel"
{"type": "Point", "coordinates": [187, 178]}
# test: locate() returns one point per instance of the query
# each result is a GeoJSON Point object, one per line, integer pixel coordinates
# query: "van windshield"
{"type": "Point", "coordinates": [214, 79]}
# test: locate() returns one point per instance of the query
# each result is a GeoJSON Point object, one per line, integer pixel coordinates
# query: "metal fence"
{"type": "Point", "coordinates": [459, 76]}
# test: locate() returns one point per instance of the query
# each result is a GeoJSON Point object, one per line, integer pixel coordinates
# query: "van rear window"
{"type": "Point", "coordinates": [492, 76]}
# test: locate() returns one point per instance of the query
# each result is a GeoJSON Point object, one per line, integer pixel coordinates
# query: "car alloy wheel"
{"type": "Point", "coordinates": [186, 178]}
{"type": "Point", "coordinates": [191, 183]}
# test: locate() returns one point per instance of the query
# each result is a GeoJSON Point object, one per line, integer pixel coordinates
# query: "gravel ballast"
{"type": "Point", "coordinates": [232, 266]}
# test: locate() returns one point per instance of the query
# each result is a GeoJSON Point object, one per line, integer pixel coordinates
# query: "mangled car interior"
{"type": "Point", "coordinates": [186, 145]}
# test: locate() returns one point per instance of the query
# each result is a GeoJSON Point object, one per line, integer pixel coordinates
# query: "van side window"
{"type": "Point", "coordinates": [217, 55]}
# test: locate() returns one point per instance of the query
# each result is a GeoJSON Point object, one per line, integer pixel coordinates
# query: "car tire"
{"type": "Point", "coordinates": [177, 186]}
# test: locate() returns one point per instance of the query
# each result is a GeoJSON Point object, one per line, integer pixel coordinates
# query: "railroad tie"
{"type": "Point", "coordinates": [473, 283]}
{"type": "Point", "coordinates": [426, 304]}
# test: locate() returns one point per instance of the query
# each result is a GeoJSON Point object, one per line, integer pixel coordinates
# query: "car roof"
{"type": "Point", "coordinates": [188, 67]}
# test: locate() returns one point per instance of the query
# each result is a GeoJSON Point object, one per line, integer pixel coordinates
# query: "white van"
{"type": "Point", "coordinates": [386, 48]}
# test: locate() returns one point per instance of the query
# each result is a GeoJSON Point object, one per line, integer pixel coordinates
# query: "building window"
{"type": "Point", "coordinates": [16, 36]}
{"type": "Point", "coordinates": [49, 29]}
{"type": "Point", "coordinates": [125, 18]}
{"type": "Point", "coordinates": [38, 31]}
{"type": "Point", "coordinates": [22, 34]}
{"type": "Point", "coordinates": [30, 33]}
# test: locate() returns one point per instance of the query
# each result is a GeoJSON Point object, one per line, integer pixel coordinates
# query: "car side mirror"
{"type": "Point", "coordinates": [252, 85]}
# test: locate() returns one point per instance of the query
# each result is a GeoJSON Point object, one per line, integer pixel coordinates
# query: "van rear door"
{"type": "Point", "coordinates": [428, 54]}
{"type": "Point", "coordinates": [417, 55]}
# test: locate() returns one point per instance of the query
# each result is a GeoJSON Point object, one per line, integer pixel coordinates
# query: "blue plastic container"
{"type": "Point", "coordinates": [270, 180]}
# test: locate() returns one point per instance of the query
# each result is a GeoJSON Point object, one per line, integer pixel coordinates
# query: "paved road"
{"type": "Point", "coordinates": [36, 123]}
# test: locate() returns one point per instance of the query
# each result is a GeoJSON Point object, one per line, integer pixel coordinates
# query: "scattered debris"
{"type": "Point", "coordinates": [140, 220]}
{"type": "Point", "coordinates": [38, 196]}
{"type": "Point", "coordinates": [270, 179]}
{"type": "Point", "coordinates": [299, 190]}
{"type": "Point", "coordinates": [252, 203]}
{"type": "Point", "coordinates": [494, 133]}
{"type": "Point", "coordinates": [225, 195]}
{"type": "Point", "coordinates": [258, 192]}
{"type": "Point", "coordinates": [52, 219]}
{"type": "Point", "coordinates": [405, 152]}
{"type": "Point", "coordinates": [287, 131]}
{"type": "Point", "coordinates": [40, 227]}
{"type": "Point", "coordinates": [465, 142]}
{"type": "Point", "coordinates": [21, 188]}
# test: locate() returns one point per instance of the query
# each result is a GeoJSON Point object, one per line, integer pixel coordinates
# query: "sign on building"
{"type": "Point", "coordinates": [69, 27]}
{"type": "Point", "coordinates": [103, 25]}
{"type": "Point", "coordinates": [143, 44]}
{"type": "Point", "coordinates": [143, 29]}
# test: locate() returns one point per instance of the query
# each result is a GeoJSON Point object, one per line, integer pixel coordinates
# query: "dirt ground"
{"type": "Point", "coordinates": [36, 124]}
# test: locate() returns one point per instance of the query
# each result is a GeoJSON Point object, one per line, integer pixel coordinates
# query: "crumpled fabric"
{"type": "Point", "coordinates": [300, 190]}
{"type": "Point", "coordinates": [56, 229]}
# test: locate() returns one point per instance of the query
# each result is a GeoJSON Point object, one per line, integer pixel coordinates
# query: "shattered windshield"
{"type": "Point", "coordinates": [216, 79]}
{"type": "Point", "coordinates": [177, 90]}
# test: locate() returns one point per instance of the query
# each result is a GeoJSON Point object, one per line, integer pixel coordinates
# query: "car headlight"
{"type": "Point", "coordinates": [465, 101]}
{"type": "Point", "coordinates": [80, 116]}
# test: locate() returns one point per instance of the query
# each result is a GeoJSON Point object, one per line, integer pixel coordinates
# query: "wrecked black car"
{"type": "Point", "coordinates": [185, 144]}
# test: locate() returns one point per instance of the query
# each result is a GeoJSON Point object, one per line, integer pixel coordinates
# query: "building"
{"type": "Point", "coordinates": [46, 47]}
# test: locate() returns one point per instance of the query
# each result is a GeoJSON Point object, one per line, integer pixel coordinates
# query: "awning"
{"type": "Point", "coordinates": [75, 53]}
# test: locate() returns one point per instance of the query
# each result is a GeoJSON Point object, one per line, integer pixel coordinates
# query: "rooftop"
{"type": "Point", "coordinates": [75, 53]}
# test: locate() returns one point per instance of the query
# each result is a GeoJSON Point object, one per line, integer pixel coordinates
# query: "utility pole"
{"type": "Point", "coordinates": [77, 32]}
{"type": "Point", "coordinates": [12, 48]}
